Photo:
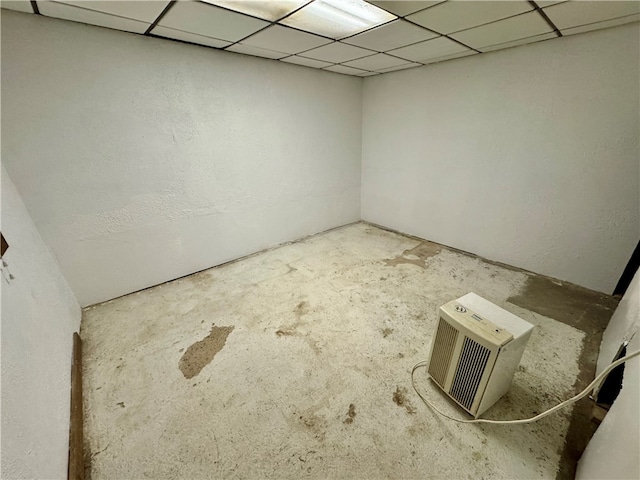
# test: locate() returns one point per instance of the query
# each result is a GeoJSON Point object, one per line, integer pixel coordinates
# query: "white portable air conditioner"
{"type": "Point", "coordinates": [475, 351]}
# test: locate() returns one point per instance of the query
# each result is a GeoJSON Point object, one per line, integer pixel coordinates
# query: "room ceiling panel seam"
{"type": "Point", "coordinates": [301, 53]}
{"type": "Point", "coordinates": [34, 5]}
{"type": "Point", "coordinates": [162, 14]}
{"type": "Point", "coordinates": [404, 17]}
{"type": "Point", "coordinates": [545, 17]}
{"type": "Point", "coordinates": [368, 29]}
{"type": "Point", "coordinates": [437, 33]}
{"type": "Point", "coordinates": [378, 53]}
{"type": "Point", "coordinates": [271, 23]}
{"type": "Point", "coordinates": [155, 35]}
{"type": "Point", "coordinates": [485, 49]}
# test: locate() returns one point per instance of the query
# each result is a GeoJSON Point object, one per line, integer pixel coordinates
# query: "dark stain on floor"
{"type": "Point", "coordinates": [285, 333]}
{"type": "Point", "coordinates": [585, 310]}
{"type": "Point", "coordinates": [302, 309]}
{"type": "Point", "coordinates": [416, 255]}
{"type": "Point", "coordinates": [400, 399]}
{"type": "Point", "coordinates": [200, 354]}
{"type": "Point", "coordinates": [351, 414]}
{"type": "Point", "coordinates": [314, 425]}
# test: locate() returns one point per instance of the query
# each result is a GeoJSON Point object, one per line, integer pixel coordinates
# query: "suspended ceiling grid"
{"type": "Point", "coordinates": [410, 33]}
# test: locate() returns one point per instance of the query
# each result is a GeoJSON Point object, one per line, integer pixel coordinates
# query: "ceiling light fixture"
{"type": "Point", "coordinates": [338, 18]}
{"type": "Point", "coordinates": [271, 10]}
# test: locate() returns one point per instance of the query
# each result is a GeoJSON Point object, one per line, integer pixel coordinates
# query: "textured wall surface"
{"type": "Point", "coordinates": [527, 156]}
{"type": "Point", "coordinates": [39, 316]}
{"type": "Point", "coordinates": [613, 450]}
{"type": "Point", "coordinates": [142, 160]}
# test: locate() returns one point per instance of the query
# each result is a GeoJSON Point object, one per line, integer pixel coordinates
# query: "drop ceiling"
{"type": "Point", "coordinates": [352, 37]}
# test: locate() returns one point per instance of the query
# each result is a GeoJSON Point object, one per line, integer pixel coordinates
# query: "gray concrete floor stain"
{"type": "Point", "coordinates": [400, 399]}
{"type": "Point", "coordinates": [278, 405]}
{"type": "Point", "coordinates": [351, 414]}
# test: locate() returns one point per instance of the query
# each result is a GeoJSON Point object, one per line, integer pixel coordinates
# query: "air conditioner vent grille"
{"type": "Point", "coordinates": [473, 360]}
{"type": "Point", "coordinates": [443, 347]}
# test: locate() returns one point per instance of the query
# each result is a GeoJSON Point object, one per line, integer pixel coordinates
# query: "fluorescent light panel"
{"type": "Point", "coordinates": [338, 18]}
{"type": "Point", "coordinates": [268, 10]}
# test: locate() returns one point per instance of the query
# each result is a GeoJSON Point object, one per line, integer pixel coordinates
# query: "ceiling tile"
{"type": "Point", "coordinates": [18, 5]}
{"type": "Point", "coordinates": [345, 70]}
{"type": "Point", "coordinates": [405, 7]}
{"type": "Point", "coordinates": [522, 41]}
{"type": "Point", "coordinates": [255, 51]}
{"type": "Point", "coordinates": [429, 50]}
{"type": "Point", "coordinates": [455, 16]}
{"type": "Point", "coordinates": [338, 18]}
{"type": "Point", "coordinates": [307, 62]}
{"type": "Point", "coordinates": [573, 14]}
{"type": "Point", "coordinates": [548, 2]}
{"type": "Point", "coordinates": [189, 37]}
{"type": "Point", "coordinates": [337, 53]}
{"type": "Point", "coordinates": [203, 19]}
{"type": "Point", "coordinates": [285, 39]}
{"type": "Point", "coordinates": [77, 14]}
{"type": "Point", "coordinates": [376, 62]}
{"type": "Point", "coordinates": [271, 10]}
{"type": "Point", "coordinates": [451, 56]}
{"type": "Point", "coordinates": [400, 67]}
{"type": "Point", "coordinates": [145, 11]}
{"type": "Point", "coordinates": [391, 35]}
{"type": "Point", "coordinates": [600, 25]}
{"type": "Point", "coordinates": [514, 28]}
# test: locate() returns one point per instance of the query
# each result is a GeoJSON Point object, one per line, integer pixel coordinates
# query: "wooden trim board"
{"type": "Point", "coordinates": [76, 458]}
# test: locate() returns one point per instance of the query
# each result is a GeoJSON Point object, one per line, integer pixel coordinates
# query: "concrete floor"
{"type": "Point", "coordinates": [294, 363]}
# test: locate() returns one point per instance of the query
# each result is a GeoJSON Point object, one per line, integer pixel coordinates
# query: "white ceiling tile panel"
{"type": "Point", "coordinates": [514, 28]}
{"type": "Point", "coordinates": [255, 51]}
{"type": "Point", "coordinates": [145, 11]}
{"type": "Point", "coordinates": [337, 53]}
{"type": "Point", "coordinates": [345, 70]}
{"type": "Point", "coordinates": [271, 10]}
{"type": "Point", "coordinates": [600, 25]}
{"type": "Point", "coordinates": [548, 3]}
{"type": "Point", "coordinates": [367, 74]}
{"type": "Point", "coordinates": [376, 62]}
{"type": "Point", "coordinates": [451, 56]}
{"type": "Point", "coordinates": [573, 14]}
{"type": "Point", "coordinates": [211, 21]}
{"type": "Point", "coordinates": [431, 49]}
{"type": "Point", "coordinates": [307, 62]}
{"type": "Point", "coordinates": [459, 15]}
{"type": "Point", "coordinates": [77, 14]}
{"type": "Point", "coordinates": [522, 41]}
{"type": "Point", "coordinates": [405, 7]}
{"type": "Point", "coordinates": [189, 37]}
{"type": "Point", "coordinates": [284, 39]}
{"type": "Point", "coordinates": [389, 36]}
{"type": "Point", "coordinates": [400, 67]}
{"type": "Point", "coordinates": [18, 5]}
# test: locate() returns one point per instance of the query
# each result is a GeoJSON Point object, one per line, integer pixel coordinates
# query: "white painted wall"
{"type": "Point", "coordinates": [142, 160]}
{"type": "Point", "coordinates": [613, 451]}
{"type": "Point", "coordinates": [527, 156]}
{"type": "Point", "coordinates": [39, 316]}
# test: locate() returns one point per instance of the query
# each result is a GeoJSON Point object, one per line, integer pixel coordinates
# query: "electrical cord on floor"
{"type": "Point", "coordinates": [580, 395]}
